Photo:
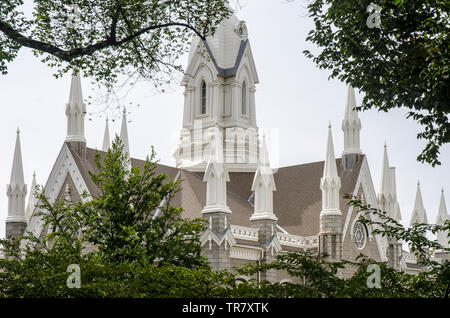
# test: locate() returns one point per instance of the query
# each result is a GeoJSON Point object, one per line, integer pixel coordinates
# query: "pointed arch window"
{"type": "Point", "coordinates": [244, 99]}
{"type": "Point", "coordinates": [203, 99]}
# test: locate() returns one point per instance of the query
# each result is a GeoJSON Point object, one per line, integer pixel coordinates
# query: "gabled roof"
{"type": "Point", "coordinates": [297, 201]}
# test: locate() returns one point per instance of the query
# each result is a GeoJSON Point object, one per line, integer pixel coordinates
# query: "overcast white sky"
{"type": "Point", "coordinates": [293, 96]}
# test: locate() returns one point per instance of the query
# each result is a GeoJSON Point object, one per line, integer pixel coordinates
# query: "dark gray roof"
{"type": "Point", "coordinates": [297, 201]}
{"type": "Point", "coordinates": [226, 72]}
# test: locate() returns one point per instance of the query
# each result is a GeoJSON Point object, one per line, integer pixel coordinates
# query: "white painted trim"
{"type": "Point", "coordinates": [365, 181]}
{"type": "Point", "coordinates": [209, 236]}
{"type": "Point", "coordinates": [244, 233]}
{"type": "Point", "coordinates": [245, 253]}
{"type": "Point", "coordinates": [65, 164]}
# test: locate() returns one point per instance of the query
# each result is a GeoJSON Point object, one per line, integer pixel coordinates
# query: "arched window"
{"type": "Point", "coordinates": [203, 99]}
{"type": "Point", "coordinates": [244, 99]}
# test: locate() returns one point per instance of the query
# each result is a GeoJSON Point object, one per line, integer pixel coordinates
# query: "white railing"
{"type": "Point", "coordinates": [410, 258]}
{"type": "Point", "coordinates": [297, 241]}
{"type": "Point", "coordinates": [245, 233]}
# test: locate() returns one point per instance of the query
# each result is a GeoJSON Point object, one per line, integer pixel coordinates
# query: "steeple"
{"type": "Point", "coordinates": [31, 199]}
{"type": "Point", "coordinates": [442, 236]}
{"type": "Point", "coordinates": [351, 125]}
{"type": "Point", "coordinates": [75, 112]}
{"type": "Point", "coordinates": [106, 142]}
{"type": "Point", "coordinates": [263, 186]}
{"type": "Point", "coordinates": [124, 133]}
{"type": "Point", "coordinates": [419, 215]}
{"type": "Point", "coordinates": [16, 191]}
{"type": "Point", "coordinates": [330, 183]}
{"type": "Point", "coordinates": [220, 84]}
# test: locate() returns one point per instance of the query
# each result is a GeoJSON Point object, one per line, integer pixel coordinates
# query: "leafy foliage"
{"type": "Point", "coordinates": [317, 276]}
{"type": "Point", "coordinates": [404, 63]}
{"type": "Point", "coordinates": [121, 249]}
{"type": "Point", "coordinates": [139, 38]}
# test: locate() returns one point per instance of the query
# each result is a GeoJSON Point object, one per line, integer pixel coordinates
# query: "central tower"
{"type": "Point", "coordinates": [220, 81]}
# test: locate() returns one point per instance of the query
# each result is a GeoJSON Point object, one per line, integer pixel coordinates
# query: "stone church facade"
{"type": "Point", "coordinates": [253, 213]}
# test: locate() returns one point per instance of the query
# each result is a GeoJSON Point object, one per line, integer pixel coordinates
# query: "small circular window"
{"type": "Point", "coordinates": [359, 235]}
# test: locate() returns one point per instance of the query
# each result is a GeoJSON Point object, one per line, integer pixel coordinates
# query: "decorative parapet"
{"type": "Point", "coordinates": [410, 258]}
{"type": "Point", "coordinates": [250, 254]}
{"type": "Point", "coordinates": [244, 233]}
{"type": "Point", "coordinates": [298, 241]}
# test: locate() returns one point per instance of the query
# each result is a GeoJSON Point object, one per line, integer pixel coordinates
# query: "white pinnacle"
{"type": "Point", "coordinates": [330, 183]}
{"type": "Point", "coordinates": [75, 111]}
{"type": "Point", "coordinates": [263, 186]}
{"type": "Point", "coordinates": [17, 178]}
{"type": "Point", "coordinates": [16, 189]}
{"type": "Point", "coordinates": [350, 112]}
{"type": "Point", "coordinates": [351, 125]}
{"type": "Point", "coordinates": [442, 217]}
{"type": "Point", "coordinates": [419, 215]}
{"type": "Point", "coordinates": [124, 133]}
{"type": "Point", "coordinates": [442, 214]}
{"type": "Point", "coordinates": [330, 169]}
{"type": "Point", "coordinates": [76, 94]}
{"type": "Point", "coordinates": [31, 199]}
{"type": "Point", "coordinates": [216, 175]}
{"type": "Point", "coordinates": [386, 182]}
{"type": "Point", "coordinates": [106, 141]}
{"type": "Point", "coordinates": [395, 213]}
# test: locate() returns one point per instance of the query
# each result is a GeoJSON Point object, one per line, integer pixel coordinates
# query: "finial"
{"type": "Point", "coordinates": [34, 174]}
{"type": "Point", "coordinates": [18, 130]}
{"type": "Point", "coordinates": [329, 124]}
{"type": "Point", "coordinates": [124, 109]}
{"type": "Point", "coordinates": [385, 145]}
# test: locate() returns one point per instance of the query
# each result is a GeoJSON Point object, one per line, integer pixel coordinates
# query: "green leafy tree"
{"type": "Point", "coordinates": [403, 63]}
{"type": "Point", "coordinates": [120, 248]}
{"type": "Point", "coordinates": [138, 38]}
{"type": "Point", "coordinates": [316, 276]}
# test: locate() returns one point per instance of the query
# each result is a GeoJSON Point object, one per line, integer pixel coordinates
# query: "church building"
{"type": "Point", "coordinates": [253, 213]}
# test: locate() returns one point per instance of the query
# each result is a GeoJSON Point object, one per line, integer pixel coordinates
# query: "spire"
{"type": "Point", "coordinates": [16, 189]}
{"type": "Point", "coordinates": [330, 169]}
{"type": "Point", "coordinates": [330, 183]}
{"type": "Point", "coordinates": [75, 111]}
{"type": "Point", "coordinates": [106, 142]}
{"type": "Point", "coordinates": [76, 94]}
{"type": "Point", "coordinates": [419, 215]}
{"type": "Point", "coordinates": [385, 199]}
{"type": "Point", "coordinates": [17, 178]}
{"type": "Point", "coordinates": [442, 213]}
{"type": "Point", "coordinates": [263, 186]}
{"type": "Point", "coordinates": [351, 125]}
{"type": "Point", "coordinates": [442, 236]}
{"type": "Point", "coordinates": [216, 175]}
{"type": "Point", "coordinates": [31, 199]}
{"type": "Point", "coordinates": [124, 133]}
{"type": "Point", "coordinates": [395, 206]}
{"type": "Point", "coordinates": [385, 186]}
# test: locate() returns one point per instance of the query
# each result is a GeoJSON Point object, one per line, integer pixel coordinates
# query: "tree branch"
{"type": "Point", "coordinates": [69, 55]}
